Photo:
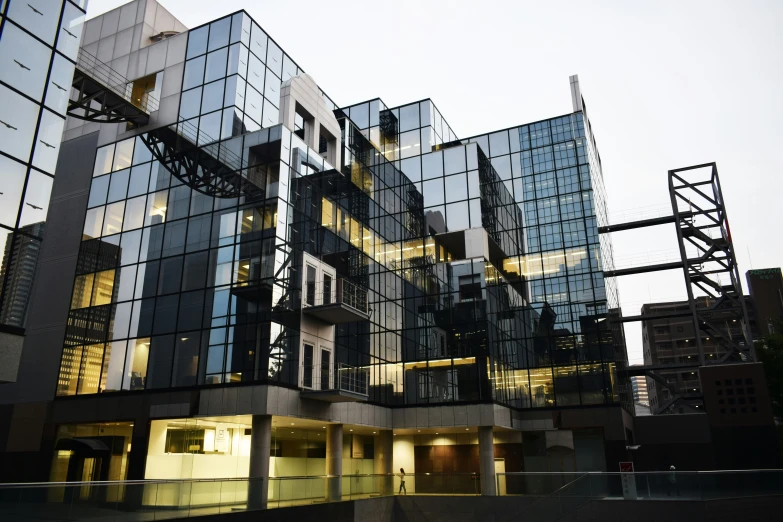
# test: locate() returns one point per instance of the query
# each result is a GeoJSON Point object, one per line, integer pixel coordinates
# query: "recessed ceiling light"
{"type": "Point", "coordinates": [292, 424]}
{"type": "Point", "coordinates": [323, 427]}
{"type": "Point", "coordinates": [351, 430]}
{"type": "Point", "coordinates": [373, 432]}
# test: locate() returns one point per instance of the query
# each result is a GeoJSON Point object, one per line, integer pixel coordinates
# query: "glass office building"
{"type": "Point", "coordinates": [259, 251]}
{"type": "Point", "coordinates": [39, 44]}
{"type": "Point", "coordinates": [173, 281]}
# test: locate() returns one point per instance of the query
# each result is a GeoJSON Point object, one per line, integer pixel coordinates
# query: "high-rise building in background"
{"type": "Point", "coordinates": [18, 270]}
{"type": "Point", "coordinates": [39, 47]}
{"type": "Point", "coordinates": [766, 289]}
{"type": "Point", "coordinates": [671, 341]}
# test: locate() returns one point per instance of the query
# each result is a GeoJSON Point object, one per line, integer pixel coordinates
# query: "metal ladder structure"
{"type": "Point", "coordinates": [711, 275]}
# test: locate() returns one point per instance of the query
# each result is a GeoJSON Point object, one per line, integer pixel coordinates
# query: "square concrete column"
{"type": "Point", "coordinates": [383, 459]}
{"type": "Point", "coordinates": [334, 462]}
{"type": "Point", "coordinates": [260, 447]}
{"type": "Point", "coordinates": [487, 461]}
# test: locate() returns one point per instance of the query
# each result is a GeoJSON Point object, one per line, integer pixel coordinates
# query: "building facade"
{"type": "Point", "coordinates": [766, 289]}
{"type": "Point", "coordinates": [39, 44]}
{"type": "Point", "coordinates": [354, 288]}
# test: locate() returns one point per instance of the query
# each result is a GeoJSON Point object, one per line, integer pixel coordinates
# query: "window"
{"type": "Point", "coordinates": [141, 90]}
{"type": "Point", "coordinates": [327, 289]}
{"type": "Point", "coordinates": [326, 357]}
{"type": "Point", "coordinates": [470, 287]}
{"type": "Point", "coordinates": [307, 366]}
{"type": "Point", "coordinates": [310, 286]}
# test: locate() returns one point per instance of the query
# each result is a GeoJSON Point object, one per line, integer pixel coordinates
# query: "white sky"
{"type": "Point", "coordinates": [667, 84]}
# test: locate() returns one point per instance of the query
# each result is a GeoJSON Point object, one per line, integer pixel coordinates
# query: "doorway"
{"type": "Point", "coordinates": [317, 373]}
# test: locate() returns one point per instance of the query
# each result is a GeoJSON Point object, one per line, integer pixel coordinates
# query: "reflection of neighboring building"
{"type": "Point", "coordinates": [92, 314]}
{"type": "Point", "coordinates": [20, 258]}
{"type": "Point", "coordinates": [766, 289]}
{"type": "Point", "coordinates": [639, 388]}
{"type": "Point", "coordinates": [671, 341]}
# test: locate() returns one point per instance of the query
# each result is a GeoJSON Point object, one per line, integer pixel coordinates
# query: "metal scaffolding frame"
{"type": "Point", "coordinates": [711, 276]}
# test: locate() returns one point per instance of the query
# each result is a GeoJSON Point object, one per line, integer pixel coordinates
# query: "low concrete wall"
{"type": "Point", "coordinates": [512, 509]}
{"type": "Point", "coordinates": [750, 509]}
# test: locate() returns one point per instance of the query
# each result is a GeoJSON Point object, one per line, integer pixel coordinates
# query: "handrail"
{"type": "Point", "coordinates": [113, 80]}
{"type": "Point", "coordinates": [582, 474]}
{"type": "Point", "coordinates": [191, 133]}
{"type": "Point", "coordinates": [340, 376]}
{"type": "Point", "coordinates": [227, 479]}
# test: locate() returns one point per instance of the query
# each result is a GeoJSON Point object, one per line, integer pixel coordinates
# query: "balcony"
{"type": "Point", "coordinates": [328, 383]}
{"type": "Point", "coordinates": [335, 301]}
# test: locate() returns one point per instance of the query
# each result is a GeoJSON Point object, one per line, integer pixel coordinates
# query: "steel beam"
{"type": "Point", "coordinates": [642, 269]}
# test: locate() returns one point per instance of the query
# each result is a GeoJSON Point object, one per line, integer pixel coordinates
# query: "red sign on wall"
{"type": "Point", "coordinates": [626, 467]}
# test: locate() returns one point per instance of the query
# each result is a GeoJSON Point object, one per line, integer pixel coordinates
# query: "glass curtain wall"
{"type": "Point", "coordinates": [39, 44]}
{"type": "Point", "coordinates": [553, 172]}
{"type": "Point", "coordinates": [176, 288]}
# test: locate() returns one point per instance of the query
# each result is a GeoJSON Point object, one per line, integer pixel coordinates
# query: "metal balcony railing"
{"type": "Point", "coordinates": [212, 146]}
{"type": "Point", "coordinates": [114, 81]}
{"type": "Point", "coordinates": [336, 291]}
{"type": "Point", "coordinates": [339, 377]}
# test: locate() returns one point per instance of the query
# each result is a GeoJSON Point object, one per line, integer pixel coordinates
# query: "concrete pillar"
{"type": "Point", "coordinates": [334, 462]}
{"type": "Point", "coordinates": [137, 463]}
{"type": "Point", "coordinates": [382, 464]}
{"type": "Point", "coordinates": [487, 461]}
{"type": "Point", "coordinates": [260, 446]}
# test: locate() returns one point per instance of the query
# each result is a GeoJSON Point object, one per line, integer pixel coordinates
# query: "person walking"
{"type": "Point", "coordinates": [402, 482]}
{"type": "Point", "coordinates": [673, 487]}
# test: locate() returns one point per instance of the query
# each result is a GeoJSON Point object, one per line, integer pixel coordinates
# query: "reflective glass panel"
{"type": "Point", "coordinates": [218, 33]}
{"type": "Point", "coordinates": [197, 41]}
{"type": "Point", "coordinates": [123, 154]}
{"type": "Point", "coordinates": [190, 103]}
{"type": "Point", "coordinates": [216, 65]}
{"type": "Point", "coordinates": [93, 223]}
{"type": "Point", "coordinates": [258, 41]}
{"type": "Point", "coordinates": [139, 180]}
{"type": "Point", "coordinates": [40, 17]}
{"type": "Point", "coordinates": [112, 223]}
{"type": "Point", "coordinates": [134, 213]}
{"type": "Point", "coordinates": [194, 73]}
{"type": "Point", "coordinates": [24, 61]}
{"type": "Point", "coordinates": [18, 117]}
{"type": "Point", "coordinates": [274, 59]}
{"type": "Point", "coordinates": [12, 176]}
{"type": "Point", "coordinates": [212, 98]}
{"type": "Point", "coordinates": [456, 188]}
{"type": "Point", "coordinates": [59, 84]}
{"type": "Point", "coordinates": [118, 187]}
{"type": "Point", "coordinates": [103, 160]}
{"type": "Point", "coordinates": [36, 198]}
{"type": "Point", "coordinates": [141, 153]}
{"type": "Point", "coordinates": [70, 31]}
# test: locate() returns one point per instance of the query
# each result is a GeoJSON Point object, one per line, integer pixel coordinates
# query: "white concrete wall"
{"type": "Point", "coordinates": [121, 39]}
